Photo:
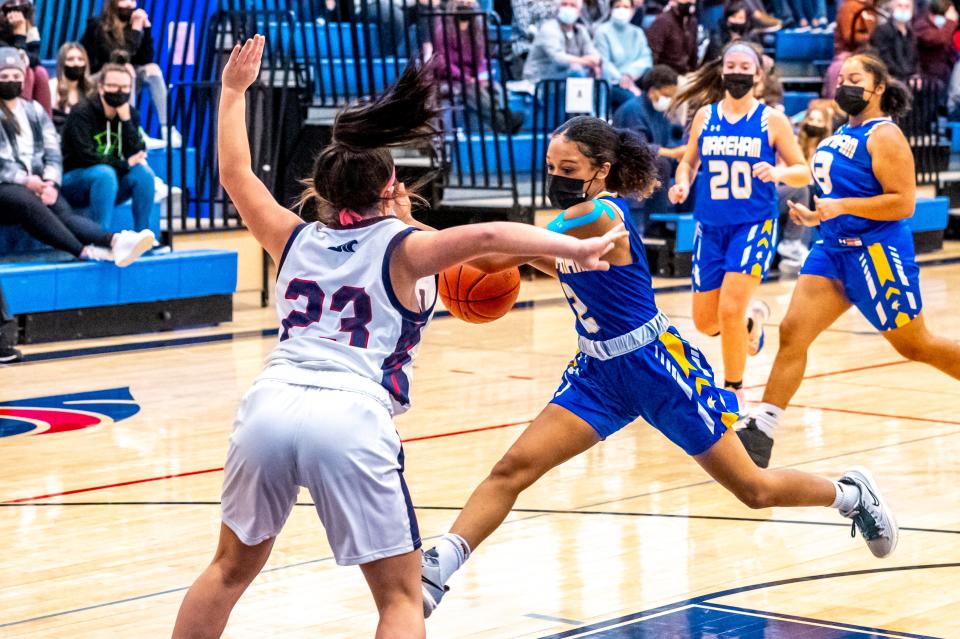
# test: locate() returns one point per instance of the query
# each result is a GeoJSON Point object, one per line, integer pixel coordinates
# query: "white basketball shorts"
{"type": "Point", "coordinates": [342, 446]}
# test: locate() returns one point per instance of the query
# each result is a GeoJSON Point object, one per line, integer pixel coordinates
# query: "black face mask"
{"type": "Point", "coordinates": [116, 98]}
{"type": "Point", "coordinates": [565, 192]}
{"type": "Point", "coordinates": [125, 13]}
{"type": "Point", "coordinates": [814, 131]}
{"type": "Point", "coordinates": [737, 84]}
{"type": "Point", "coordinates": [737, 27]}
{"type": "Point", "coordinates": [850, 99]}
{"type": "Point", "coordinates": [10, 90]}
{"type": "Point", "coordinates": [73, 73]}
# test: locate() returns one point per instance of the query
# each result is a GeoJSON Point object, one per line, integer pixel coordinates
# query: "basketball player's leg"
{"type": "Point", "coordinates": [555, 436]}
{"type": "Point", "coordinates": [735, 295]}
{"type": "Point", "coordinates": [856, 495]}
{"type": "Point", "coordinates": [706, 316]}
{"type": "Point", "coordinates": [708, 259]}
{"type": "Point", "coordinates": [207, 605]}
{"type": "Point", "coordinates": [817, 302]}
{"type": "Point", "coordinates": [395, 585]}
{"type": "Point", "coordinates": [915, 342]}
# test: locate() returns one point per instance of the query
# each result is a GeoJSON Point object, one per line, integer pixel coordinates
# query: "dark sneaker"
{"type": "Point", "coordinates": [431, 585]}
{"type": "Point", "coordinates": [758, 444]}
{"type": "Point", "coordinates": [871, 516]}
{"type": "Point", "coordinates": [10, 356]}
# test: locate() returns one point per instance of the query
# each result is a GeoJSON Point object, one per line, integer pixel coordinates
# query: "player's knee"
{"type": "Point", "coordinates": [731, 312]}
{"type": "Point", "coordinates": [706, 323]}
{"type": "Point", "coordinates": [515, 470]}
{"type": "Point", "coordinates": [919, 350]}
{"type": "Point", "coordinates": [755, 495]}
{"type": "Point", "coordinates": [235, 574]}
{"type": "Point", "coordinates": [791, 336]}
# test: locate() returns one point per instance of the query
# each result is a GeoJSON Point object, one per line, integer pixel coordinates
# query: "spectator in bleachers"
{"type": "Point", "coordinates": [736, 24]}
{"type": "Point", "coordinates": [30, 175]}
{"type": "Point", "coordinates": [563, 47]}
{"type": "Point", "coordinates": [935, 28]}
{"type": "Point", "coordinates": [624, 50]}
{"type": "Point", "coordinates": [811, 13]}
{"type": "Point", "coordinates": [647, 115]}
{"type": "Point", "coordinates": [104, 153]}
{"type": "Point", "coordinates": [673, 36]}
{"type": "Point", "coordinates": [594, 13]}
{"type": "Point", "coordinates": [8, 334]}
{"type": "Point", "coordinates": [459, 46]}
{"type": "Point", "coordinates": [73, 82]}
{"type": "Point", "coordinates": [856, 20]}
{"type": "Point", "coordinates": [895, 41]}
{"type": "Point", "coordinates": [17, 30]}
{"type": "Point", "coordinates": [765, 22]}
{"type": "Point", "coordinates": [123, 28]}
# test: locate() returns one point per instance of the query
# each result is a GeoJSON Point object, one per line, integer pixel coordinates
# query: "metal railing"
{"type": "Point", "coordinates": [549, 112]}
{"type": "Point", "coordinates": [921, 125]}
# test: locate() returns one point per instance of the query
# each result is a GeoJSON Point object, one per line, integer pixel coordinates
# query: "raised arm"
{"type": "Point", "coordinates": [270, 223]}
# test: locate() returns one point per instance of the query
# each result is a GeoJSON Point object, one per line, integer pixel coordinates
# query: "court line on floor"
{"type": "Point", "coordinates": [608, 623]}
{"type": "Point", "coordinates": [531, 511]}
{"type": "Point", "coordinates": [268, 332]}
{"type": "Point", "coordinates": [510, 425]}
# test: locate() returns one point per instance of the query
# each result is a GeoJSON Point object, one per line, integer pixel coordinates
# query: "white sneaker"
{"type": "Point", "coordinates": [131, 245]}
{"type": "Point", "coordinates": [153, 144]}
{"type": "Point", "coordinates": [160, 189]}
{"type": "Point", "coordinates": [759, 312]}
{"type": "Point", "coordinates": [96, 253]}
{"type": "Point", "coordinates": [176, 140]}
{"type": "Point", "coordinates": [871, 516]}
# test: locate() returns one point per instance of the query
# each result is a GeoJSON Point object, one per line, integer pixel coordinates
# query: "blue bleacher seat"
{"type": "Point", "coordinates": [481, 149]}
{"type": "Point", "coordinates": [804, 45]}
{"type": "Point", "coordinates": [796, 101]}
{"type": "Point", "coordinates": [36, 287]}
{"type": "Point", "coordinates": [684, 229]}
{"type": "Point", "coordinates": [157, 159]}
{"type": "Point", "coordinates": [930, 214]}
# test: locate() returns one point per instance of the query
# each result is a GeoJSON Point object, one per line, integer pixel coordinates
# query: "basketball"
{"type": "Point", "coordinates": [478, 297]}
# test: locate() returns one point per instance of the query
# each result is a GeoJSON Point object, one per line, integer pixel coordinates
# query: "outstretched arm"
{"type": "Point", "coordinates": [270, 223]}
{"type": "Point", "coordinates": [427, 253]}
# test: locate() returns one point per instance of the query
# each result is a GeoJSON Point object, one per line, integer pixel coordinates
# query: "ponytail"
{"type": "Point", "coordinates": [352, 171]}
{"type": "Point", "coordinates": [633, 168]}
{"type": "Point", "coordinates": [635, 171]}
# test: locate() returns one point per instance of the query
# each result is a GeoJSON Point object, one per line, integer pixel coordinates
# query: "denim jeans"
{"type": "Point", "coordinates": [99, 188]}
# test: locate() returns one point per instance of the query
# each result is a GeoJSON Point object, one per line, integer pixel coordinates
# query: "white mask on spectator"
{"type": "Point", "coordinates": [662, 103]}
{"type": "Point", "coordinates": [939, 21]}
{"type": "Point", "coordinates": [621, 15]}
{"type": "Point", "coordinates": [902, 15]}
{"type": "Point", "coordinates": [567, 15]}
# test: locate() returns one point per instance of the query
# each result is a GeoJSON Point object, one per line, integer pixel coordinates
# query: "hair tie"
{"type": "Point", "coordinates": [349, 217]}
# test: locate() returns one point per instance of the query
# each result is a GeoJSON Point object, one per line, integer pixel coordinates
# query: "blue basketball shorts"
{"type": "Point", "coordinates": [719, 249]}
{"type": "Point", "coordinates": [668, 383]}
{"type": "Point", "coordinates": [881, 279]}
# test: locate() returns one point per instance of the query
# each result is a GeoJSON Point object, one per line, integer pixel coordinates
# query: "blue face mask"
{"type": "Point", "coordinates": [939, 21]}
{"type": "Point", "coordinates": [567, 15]}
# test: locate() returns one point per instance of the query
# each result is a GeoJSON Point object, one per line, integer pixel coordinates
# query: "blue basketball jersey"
{"type": "Point", "coordinates": [611, 303]}
{"type": "Point", "coordinates": [843, 168]}
{"type": "Point", "coordinates": [726, 191]}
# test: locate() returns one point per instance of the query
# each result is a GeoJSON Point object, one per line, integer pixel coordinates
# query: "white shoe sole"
{"type": "Point", "coordinates": [142, 246]}
{"type": "Point", "coordinates": [868, 479]}
{"type": "Point", "coordinates": [759, 312]}
{"type": "Point", "coordinates": [429, 605]}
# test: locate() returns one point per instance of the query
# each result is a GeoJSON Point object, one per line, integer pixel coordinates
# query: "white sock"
{"type": "Point", "coordinates": [453, 551]}
{"type": "Point", "coordinates": [767, 417]}
{"type": "Point", "coordinates": [847, 497]}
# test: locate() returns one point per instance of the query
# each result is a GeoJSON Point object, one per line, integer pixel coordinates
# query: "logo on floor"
{"type": "Point", "coordinates": [64, 413]}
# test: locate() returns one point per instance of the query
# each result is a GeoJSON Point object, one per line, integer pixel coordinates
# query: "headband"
{"type": "Point", "coordinates": [743, 48]}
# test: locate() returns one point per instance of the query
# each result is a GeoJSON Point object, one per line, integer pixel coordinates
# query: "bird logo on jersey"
{"type": "Point", "coordinates": [64, 413]}
{"type": "Point", "coordinates": [349, 247]}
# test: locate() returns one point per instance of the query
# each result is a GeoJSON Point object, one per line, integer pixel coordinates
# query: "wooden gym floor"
{"type": "Point", "coordinates": [105, 527]}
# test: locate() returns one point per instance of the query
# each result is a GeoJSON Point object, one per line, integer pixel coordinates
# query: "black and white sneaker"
{"type": "Point", "coordinates": [759, 445]}
{"type": "Point", "coordinates": [10, 356]}
{"type": "Point", "coordinates": [431, 582]}
{"type": "Point", "coordinates": [871, 516]}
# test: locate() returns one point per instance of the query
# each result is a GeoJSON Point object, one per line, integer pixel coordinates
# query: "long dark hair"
{"type": "Point", "coordinates": [706, 83]}
{"type": "Point", "coordinates": [6, 31]}
{"type": "Point", "coordinates": [85, 84]}
{"type": "Point", "coordinates": [896, 100]}
{"type": "Point", "coordinates": [113, 27]}
{"type": "Point", "coordinates": [633, 168]}
{"type": "Point", "coordinates": [352, 171]}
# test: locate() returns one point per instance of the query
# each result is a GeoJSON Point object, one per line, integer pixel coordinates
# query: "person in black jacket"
{"type": "Point", "coordinates": [895, 41]}
{"type": "Point", "coordinates": [17, 30]}
{"type": "Point", "coordinates": [105, 159]}
{"type": "Point", "coordinates": [122, 32]}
